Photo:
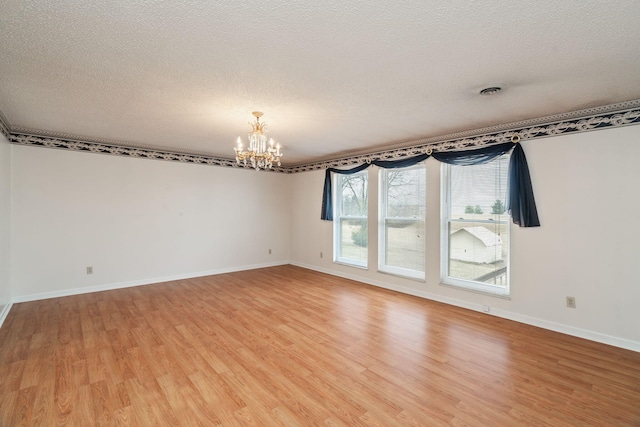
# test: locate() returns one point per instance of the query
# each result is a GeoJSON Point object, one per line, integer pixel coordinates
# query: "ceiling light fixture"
{"type": "Point", "coordinates": [259, 154]}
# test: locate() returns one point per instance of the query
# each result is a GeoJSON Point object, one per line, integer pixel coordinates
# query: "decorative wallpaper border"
{"type": "Point", "coordinates": [616, 115]}
{"type": "Point", "coordinates": [584, 124]}
{"type": "Point", "coordinates": [117, 150]}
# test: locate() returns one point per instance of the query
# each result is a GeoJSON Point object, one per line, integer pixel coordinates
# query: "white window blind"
{"type": "Point", "coordinates": [475, 226]}
{"type": "Point", "coordinates": [350, 219]}
{"type": "Point", "coordinates": [401, 219]}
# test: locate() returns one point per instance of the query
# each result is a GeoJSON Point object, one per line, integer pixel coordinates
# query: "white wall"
{"type": "Point", "coordinates": [141, 221]}
{"type": "Point", "coordinates": [586, 188]}
{"type": "Point", "coordinates": [137, 221]}
{"type": "Point", "coordinates": [5, 225]}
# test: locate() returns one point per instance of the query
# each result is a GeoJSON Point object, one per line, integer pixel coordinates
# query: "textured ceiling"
{"type": "Point", "coordinates": [332, 77]}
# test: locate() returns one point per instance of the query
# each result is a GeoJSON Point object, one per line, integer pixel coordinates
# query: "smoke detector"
{"type": "Point", "coordinates": [488, 91]}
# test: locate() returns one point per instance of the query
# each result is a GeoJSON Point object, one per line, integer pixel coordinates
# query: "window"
{"type": "Point", "coordinates": [350, 219]}
{"type": "Point", "coordinates": [401, 247]}
{"type": "Point", "coordinates": [475, 227]}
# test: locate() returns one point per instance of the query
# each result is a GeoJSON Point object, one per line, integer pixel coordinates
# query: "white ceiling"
{"type": "Point", "coordinates": [332, 77]}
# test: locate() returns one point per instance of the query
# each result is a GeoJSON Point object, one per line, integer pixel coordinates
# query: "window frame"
{"type": "Point", "coordinates": [445, 215]}
{"type": "Point", "coordinates": [338, 217]}
{"type": "Point", "coordinates": [383, 267]}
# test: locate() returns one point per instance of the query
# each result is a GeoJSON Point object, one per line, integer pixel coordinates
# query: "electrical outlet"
{"type": "Point", "coordinates": [571, 302]}
{"type": "Point", "coordinates": [90, 270]}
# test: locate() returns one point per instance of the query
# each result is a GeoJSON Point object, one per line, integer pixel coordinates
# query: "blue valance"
{"type": "Point", "coordinates": [520, 203]}
{"type": "Point", "coordinates": [476, 156]}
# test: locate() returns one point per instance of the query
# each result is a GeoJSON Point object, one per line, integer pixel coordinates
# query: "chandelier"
{"type": "Point", "coordinates": [259, 153]}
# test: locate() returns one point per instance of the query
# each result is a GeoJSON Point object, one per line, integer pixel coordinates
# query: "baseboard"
{"type": "Point", "coordinates": [149, 281]}
{"type": "Point", "coordinates": [5, 312]}
{"type": "Point", "coordinates": [505, 314]}
{"type": "Point", "coordinates": [569, 330]}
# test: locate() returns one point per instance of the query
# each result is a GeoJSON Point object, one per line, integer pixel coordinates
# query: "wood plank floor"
{"type": "Point", "coordinates": [286, 346]}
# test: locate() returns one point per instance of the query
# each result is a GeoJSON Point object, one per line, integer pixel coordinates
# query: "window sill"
{"type": "Point", "coordinates": [489, 290]}
{"type": "Point", "coordinates": [348, 264]}
{"type": "Point", "coordinates": [404, 276]}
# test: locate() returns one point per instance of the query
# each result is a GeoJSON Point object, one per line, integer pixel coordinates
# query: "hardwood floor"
{"type": "Point", "coordinates": [291, 347]}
